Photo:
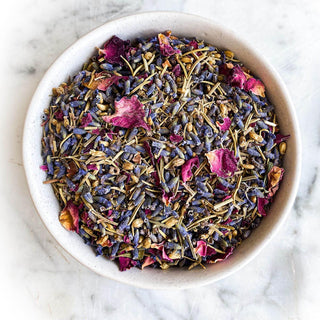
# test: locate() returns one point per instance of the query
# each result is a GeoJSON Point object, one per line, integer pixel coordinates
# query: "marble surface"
{"type": "Point", "coordinates": [39, 280]}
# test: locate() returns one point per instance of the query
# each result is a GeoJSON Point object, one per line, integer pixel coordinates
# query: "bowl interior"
{"type": "Point", "coordinates": [129, 28]}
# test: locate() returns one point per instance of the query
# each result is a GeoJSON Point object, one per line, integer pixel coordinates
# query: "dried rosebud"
{"type": "Point", "coordinates": [126, 263]}
{"type": "Point", "coordinates": [69, 217]}
{"type": "Point", "coordinates": [186, 169]}
{"type": "Point", "coordinates": [275, 175]}
{"type": "Point", "coordinates": [114, 49]}
{"type": "Point", "coordinates": [129, 114]}
{"type": "Point", "coordinates": [222, 162]}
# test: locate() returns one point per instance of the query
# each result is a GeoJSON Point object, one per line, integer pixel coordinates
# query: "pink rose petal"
{"type": "Point", "coordinates": [204, 250]}
{"type": "Point", "coordinates": [194, 43]}
{"type": "Point", "coordinates": [262, 202]}
{"type": "Point", "coordinates": [165, 47]}
{"type": "Point", "coordinates": [167, 198]}
{"type": "Point", "coordinates": [237, 78]}
{"type": "Point", "coordinates": [201, 248]}
{"type": "Point", "coordinates": [126, 239]}
{"type": "Point", "coordinates": [280, 138]}
{"type": "Point", "coordinates": [92, 167]}
{"type": "Point", "coordinates": [225, 125]}
{"type": "Point", "coordinates": [220, 186]}
{"type": "Point", "coordinates": [147, 147]}
{"type": "Point", "coordinates": [69, 217]}
{"type": "Point", "coordinates": [275, 175]}
{"type": "Point", "coordinates": [177, 70]}
{"type": "Point", "coordinates": [59, 115]}
{"type": "Point", "coordinates": [44, 167]}
{"type": "Point", "coordinates": [86, 219]}
{"type": "Point", "coordinates": [186, 169]}
{"type": "Point", "coordinates": [147, 262]}
{"type": "Point", "coordinates": [160, 247]}
{"type": "Point", "coordinates": [147, 212]}
{"type": "Point", "coordinates": [222, 162]}
{"type": "Point", "coordinates": [224, 256]}
{"type": "Point", "coordinates": [126, 263]}
{"type": "Point", "coordinates": [105, 83]}
{"type": "Point", "coordinates": [86, 120]}
{"type": "Point", "coordinates": [114, 49]}
{"type": "Point", "coordinates": [255, 86]}
{"type": "Point", "coordinates": [129, 114]}
{"type": "Point", "coordinates": [175, 138]}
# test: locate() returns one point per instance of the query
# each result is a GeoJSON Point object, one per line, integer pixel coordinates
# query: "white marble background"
{"type": "Point", "coordinates": [39, 280]}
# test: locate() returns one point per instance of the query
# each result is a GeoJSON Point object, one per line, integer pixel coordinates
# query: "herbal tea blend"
{"type": "Point", "coordinates": [162, 152]}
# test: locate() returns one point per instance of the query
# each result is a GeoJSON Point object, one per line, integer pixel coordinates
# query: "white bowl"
{"type": "Point", "coordinates": [130, 27]}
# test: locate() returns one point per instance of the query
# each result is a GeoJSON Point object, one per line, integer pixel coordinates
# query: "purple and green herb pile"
{"type": "Point", "coordinates": [162, 152]}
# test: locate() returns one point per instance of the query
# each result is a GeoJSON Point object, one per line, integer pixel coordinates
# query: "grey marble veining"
{"type": "Point", "coordinates": [40, 280]}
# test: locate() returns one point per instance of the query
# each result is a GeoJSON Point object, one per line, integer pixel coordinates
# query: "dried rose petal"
{"type": "Point", "coordinates": [126, 239]}
{"type": "Point", "coordinates": [175, 138]}
{"type": "Point", "coordinates": [129, 114]}
{"type": "Point", "coordinates": [147, 212]}
{"type": "Point", "coordinates": [165, 47]}
{"type": "Point", "coordinates": [237, 77]}
{"type": "Point", "coordinates": [186, 169]}
{"type": "Point", "coordinates": [167, 198]}
{"type": "Point", "coordinates": [147, 147]}
{"type": "Point", "coordinates": [44, 167]}
{"type": "Point", "coordinates": [105, 83]}
{"type": "Point", "coordinates": [221, 256]}
{"type": "Point", "coordinates": [280, 138]}
{"type": "Point", "coordinates": [147, 262]}
{"type": "Point", "coordinates": [194, 43]}
{"type": "Point", "coordinates": [160, 247]}
{"type": "Point", "coordinates": [225, 125]}
{"type": "Point", "coordinates": [275, 175]}
{"type": "Point", "coordinates": [262, 202]}
{"type": "Point", "coordinates": [220, 186]}
{"type": "Point", "coordinates": [114, 49]}
{"type": "Point", "coordinates": [227, 197]}
{"type": "Point", "coordinates": [225, 69]}
{"type": "Point", "coordinates": [126, 263]}
{"type": "Point", "coordinates": [201, 248]}
{"type": "Point", "coordinates": [86, 219]}
{"type": "Point", "coordinates": [222, 162]}
{"type": "Point", "coordinates": [177, 70]}
{"type": "Point", "coordinates": [156, 178]}
{"type": "Point", "coordinates": [92, 167]}
{"type": "Point", "coordinates": [86, 120]}
{"type": "Point", "coordinates": [59, 115]}
{"type": "Point", "coordinates": [255, 86]}
{"type": "Point", "coordinates": [69, 217]}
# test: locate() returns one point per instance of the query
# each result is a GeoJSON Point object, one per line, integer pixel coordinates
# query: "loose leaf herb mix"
{"type": "Point", "coordinates": [162, 152]}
